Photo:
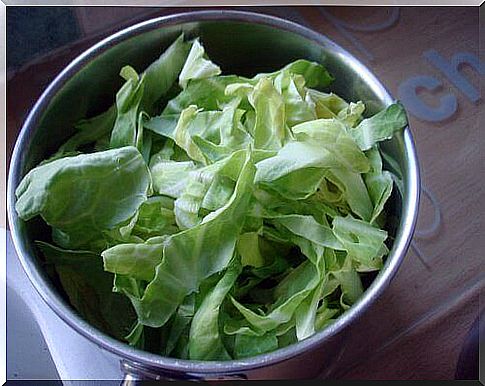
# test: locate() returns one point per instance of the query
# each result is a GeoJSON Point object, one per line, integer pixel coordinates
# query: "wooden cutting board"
{"type": "Point", "coordinates": [426, 57]}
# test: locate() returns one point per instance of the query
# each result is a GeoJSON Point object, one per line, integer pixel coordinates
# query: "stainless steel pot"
{"type": "Point", "coordinates": [243, 43]}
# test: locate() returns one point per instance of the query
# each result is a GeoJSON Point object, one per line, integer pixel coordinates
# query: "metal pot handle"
{"type": "Point", "coordinates": [130, 380]}
{"type": "Point", "coordinates": [135, 373]}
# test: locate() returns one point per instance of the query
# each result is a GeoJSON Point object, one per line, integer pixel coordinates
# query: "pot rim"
{"type": "Point", "coordinates": [65, 311]}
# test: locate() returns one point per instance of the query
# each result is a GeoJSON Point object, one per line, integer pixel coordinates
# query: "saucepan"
{"type": "Point", "coordinates": [243, 43]}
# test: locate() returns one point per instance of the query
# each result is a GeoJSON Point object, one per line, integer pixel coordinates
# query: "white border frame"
{"type": "Point", "coordinates": [3, 196]}
{"type": "Point", "coordinates": [176, 3]}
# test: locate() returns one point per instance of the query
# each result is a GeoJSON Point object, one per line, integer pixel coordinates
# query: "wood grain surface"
{"type": "Point", "coordinates": [417, 328]}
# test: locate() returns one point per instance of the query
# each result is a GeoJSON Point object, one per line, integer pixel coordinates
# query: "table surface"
{"type": "Point", "coordinates": [426, 57]}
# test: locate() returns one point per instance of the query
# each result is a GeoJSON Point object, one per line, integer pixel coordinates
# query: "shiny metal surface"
{"type": "Point", "coordinates": [239, 42]}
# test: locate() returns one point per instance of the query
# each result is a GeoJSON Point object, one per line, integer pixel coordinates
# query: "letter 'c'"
{"type": "Point", "coordinates": [407, 92]}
